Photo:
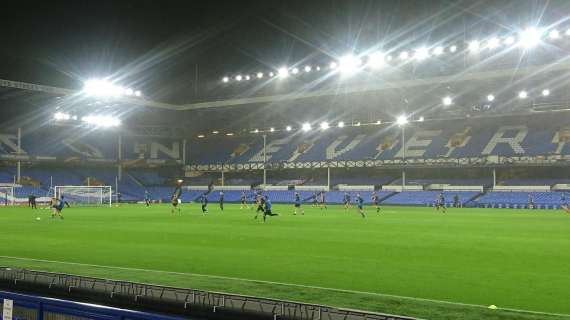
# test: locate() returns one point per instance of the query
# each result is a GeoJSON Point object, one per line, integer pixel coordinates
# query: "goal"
{"type": "Point", "coordinates": [7, 196]}
{"type": "Point", "coordinates": [85, 195]}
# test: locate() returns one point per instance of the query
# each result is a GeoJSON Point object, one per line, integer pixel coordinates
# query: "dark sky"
{"type": "Point", "coordinates": [177, 51]}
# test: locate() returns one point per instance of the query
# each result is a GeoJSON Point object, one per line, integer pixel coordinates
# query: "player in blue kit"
{"type": "Point", "coordinates": [267, 209]}
{"type": "Point", "coordinates": [322, 201]}
{"type": "Point", "coordinates": [57, 206]}
{"type": "Point", "coordinates": [360, 204]}
{"type": "Point", "coordinates": [222, 200]}
{"type": "Point", "coordinates": [147, 198]}
{"type": "Point", "coordinates": [346, 201]}
{"type": "Point", "coordinates": [298, 204]}
{"type": "Point", "coordinates": [204, 202]}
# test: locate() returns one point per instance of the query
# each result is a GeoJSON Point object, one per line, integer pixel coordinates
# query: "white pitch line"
{"type": "Point", "coordinates": [281, 284]}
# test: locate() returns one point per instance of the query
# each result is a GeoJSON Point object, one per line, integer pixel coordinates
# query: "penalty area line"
{"type": "Point", "coordinates": [279, 283]}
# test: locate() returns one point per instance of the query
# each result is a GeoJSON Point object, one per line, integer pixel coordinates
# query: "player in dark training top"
{"type": "Point", "coordinates": [440, 203]}
{"type": "Point", "coordinates": [315, 200]}
{"type": "Point", "coordinates": [175, 199]}
{"type": "Point", "coordinates": [243, 200]}
{"type": "Point", "coordinates": [260, 206]}
{"type": "Point", "coordinates": [346, 201]}
{"type": "Point", "coordinates": [204, 202]}
{"type": "Point", "coordinates": [374, 200]}
{"type": "Point", "coordinates": [147, 198]}
{"type": "Point", "coordinates": [360, 204]}
{"type": "Point", "coordinates": [298, 204]}
{"type": "Point", "coordinates": [222, 200]}
{"type": "Point", "coordinates": [323, 202]}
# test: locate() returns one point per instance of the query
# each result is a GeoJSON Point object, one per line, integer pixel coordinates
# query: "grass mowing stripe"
{"type": "Point", "coordinates": [280, 284]}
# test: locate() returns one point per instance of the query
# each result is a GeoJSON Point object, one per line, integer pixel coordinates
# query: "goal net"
{"type": "Point", "coordinates": [84, 195]}
{"type": "Point", "coordinates": [7, 196]}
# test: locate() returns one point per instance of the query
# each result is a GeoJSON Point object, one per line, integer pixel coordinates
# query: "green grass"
{"type": "Point", "coordinates": [408, 261]}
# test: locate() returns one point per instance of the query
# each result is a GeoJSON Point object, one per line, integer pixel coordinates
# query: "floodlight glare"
{"type": "Point", "coordinates": [529, 38]}
{"type": "Point", "coordinates": [523, 94]}
{"type": "Point", "coordinates": [438, 51]}
{"type": "Point", "coordinates": [201, 136]}
{"type": "Point", "coordinates": [554, 34]}
{"type": "Point", "coordinates": [101, 121]}
{"type": "Point", "coordinates": [318, 68]}
{"type": "Point", "coordinates": [388, 58]}
{"type": "Point", "coordinates": [333, 65]}
{"type": "Point", "coordinates": [493, 43]}
{"type": "Point", "coordinates": [288, 128]}
{"type": "Point", "coordinates": [421, 53]}
{"type": "Point", "coordinates": [238, 77]}
{"type": "Point", "coordinates": [247, 77]}
{"type": "Point", "coordinates": [453, 48]}
{"type": "Point", "coordinates": [324, 125]}
{"type": "Point", "coordinates": [283, 72]}
{"type": "Point", "coordinates": [378, 121]}
{"type": "Point", "coordinates": [490, 98]}
{"type": "Point", "coordinates": [545, 92]}
{"type": "Point", "coordinates": [138, 93]}
{"type": "Point", "coordinates": [568, 32]}
{"type": "Point", "coordinates": [271, 129]}
{"type": "Point", "coordinates": [349, 63]}
{"type": "Point", "coordinates": [357, 124]}
{"type": "Point", "coordinates": [256, 131]}
{"type": "Point", "coordinates": [225, 79]}
{"type": "Point", "coordinates": [259, 75]}
{"type": "Point", "coordinates": [421, 119]}
{"type": "Point", "coordinates": [295, 71]}
{"type": "Point", "coordinates": [510, 40]}
{"type": "Point", "coordinates": [229, 134]}
{"type": "Point", "coordinates": [271, 74]}
{"type": "Point", "coordinates": [215, 132]}
{"type": "Point", "coordinates": [341, 124]}
{"type": "Point", "coordinates": [61, 116]}
{"type": "Point", "coordinates": [102, 88]}
{"type": "Point", "coordinates": [306, 126]}
{"type": "Point", "coordinates": [308, 68]}
{"type": "Point", "coordinates": [447, 101]}
{"type": "Point", "coordinates": [474, 46]}
{"type": "Point", "coordinates": [404, 55]}
{"type": "Point", "coordinates": [402, 120]}
{"type": "Point", "coordinates": [376, 60]}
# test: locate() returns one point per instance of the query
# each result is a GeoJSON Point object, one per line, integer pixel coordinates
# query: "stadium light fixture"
{"type": "Point", "coordinates": [225, 79]}
{"type": "Point", "coordinates": [308, 69]}
{"type": "Point", "coordinates": [271, 129]}
{"type": "Point", "coordinates": [238, 77]}
{"type": "Point", "coordinates": [474, 46]}
{"type": "Point", "coordinates": [510, 40]}
{"type": "Point", "coordinates": [545, 92]}
{"type": "Point", "coordinates": [101, 121]}
{"type": "Point", "coordinates": [201, 136]}
{"type": "Point", "coordinates": [138, 93]}
{"type": "Point", "coordinates": [402, 120]}
{"type": "Point", "coordinates": [568, 32]}
{"type": "Point", "coordinates": [271, 74]}
{"type": "Point", "coordinates": [447, 101]}
{"type": "Point", "coordinates": [529, 38]}
{"type": "Point", "coordinates": [438, 51]}
{"type": "Point", "coordinates": [404, 55]}
{"type": "Point", "coordinates": [376, 60]}
{"type": "Point", "coordinates": [378, 122]}
{"type": "Point", "coordinates": [295, 71]}
{"type": "Point", "coordinates": [523, 94]}
{"type": "Point", "coordinates": [229, 134]}
{"type": "Point", "coordinates": [283, 72]}
{"type": "Point", "coordinates": [288, 128]}
{"type": "Point", "coordinates": [333, 65]}
{"type": "Point", "coordinates": [247, 77]}
{"type": "Point", "coordinates": [341, 124]}
{"type": "Point", "coordinates": [453, 48]}
{"type": "Point", "coordinates": [259, 75]}
{"type": "Point", "coordinates": [357, 124]}
{"type": "Point", "coordinates": [493, 43]}
{"type": "Point", "coordinates": [256, 131]}
{"type": "Point", "coordinates": [306, 126]}
{"type": "Point", "coordinates": [215, 132]}
{"type": "Point", "coordinates": [318, 68]}
{"type": "Point", "coordinates": [421, 119]}
{"type": "Point", "coordinates": [61, 116]}
{"type": "Point", "coordinates": [180, 180]}
{"type": "Point", "coordinates": [554, 34]}
{"type": "Point", "coordinates": [349, 63]}
{"type": "Point", "coordinates": [421, 53]}
{"type": "Point", "coordinates": [74, 117]}
{"type": "Point", "coordinates": [324, 125]}
{"type": "Point", "coordinates": [102, 88]}
{"type": "Point", "coordinates": [490, 98]}
{"type": "Point", "coordinates": [389, 58]}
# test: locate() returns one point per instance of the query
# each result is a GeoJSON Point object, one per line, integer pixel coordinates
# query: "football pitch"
{"type": "Point", "coordinates": [407, 261]}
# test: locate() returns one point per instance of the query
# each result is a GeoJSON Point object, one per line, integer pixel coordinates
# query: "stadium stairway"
{"type": "Point", "coordinates": [472, 202]}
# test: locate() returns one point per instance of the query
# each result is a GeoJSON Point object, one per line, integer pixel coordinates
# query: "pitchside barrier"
{"type": "Point", "coordinates": [149, 298]}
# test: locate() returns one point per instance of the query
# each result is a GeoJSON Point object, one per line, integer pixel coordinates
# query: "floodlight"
{"type": "Point", "coordinates": [357, 124]}
{"type": "Point", "coordinates": [102, 88]}
{"type": "Point", "coordinates": [404, 55]}
{"type": "Point", "coordinates": [180, 180]}
{"type": "Point", "coordinates": [295, 71]}
{"type": "Point", "coordinates": [61, 116]}
{"type": "Point", "coordinates": [288, 128]}
{"type": "Point", "coordinates": [523, 94]}
{"type": "Point", "coordinates": [324, 125]}
{"type": "Point", "coordinates": [138, 93]}
{"type": "Point", "coordinates": [438, 51]}
{"type": "Point", "coordinates": [283, 72]}
{"type": "Point", "coordinates": [376, 60]}
{"type": "Point", "coordinates": [229, 134]}
{"type": "Point", "coordinates": [271, 74]}
{"type": "Point", "coordinates": [447, 101]}
{"type": "Point", "coordinates": [545, 92]}
{"type": "Point", "coordinates": [421, 119]}
{"type": "Point", "coordinates": [318, 68]}
{"type": "Point", "coordinates": [568, 32]}
{"type": "Point", "coordinates": [101, 121]}
{"type": "Point", "coordinates": [341, 124]}
{"type": "Point", "coordinates": [349, 63]}
{"type": "Point", "coordinates": [490, 98]}
{"type": "Point", "coordinates": [378, 121]}
{"type": "Point", "coordinates": [308, 68]}
{"type": "Point", "coordinates": [388, 58]}
{"type": "Point", "coordinates": [272, 129]}
{"type": "Point", "coordinates": [215, 132]}
{"type": "Point", "coordinates": [201, 136]}
{"type": "Point", "coordinates": [554, 34]}
{"type": "Point", "coordinates": [247, 77]}
{"type": "Point", "coordinates": [306, 126]}
{"type": "Point", "coordinates": [333, 65]}
{"type": "Point", "coordinates": [453, 48]}
{"type": "Point", "coordinates": [493, 43]}
{"type": "Point", "coordinates": [74, 117]}
{"type": "Point", "coordinates": [238, 77]}
{"type": "Point", "coordinates": [421, 53]}
{"type": "Point", "coordinates": [259, 75]}
{"type": "Point", "coordinates": [474, 46]}
{"type": "Point", "coordinates": [529, 38]}
{"type": "Point", "coordinates": [402, 120]}
{"type": "Point", "coordinates": [225, 79]}
{"type": "Point", "coordinates": [256, 131]}
{"type": "Point", "coordinates": [510, 40]}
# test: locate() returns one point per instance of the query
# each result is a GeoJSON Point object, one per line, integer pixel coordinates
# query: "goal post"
{"type": "Point", "coordinates": [85, 195]}
{"type": "Point", "coordinates": [7, 196]}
